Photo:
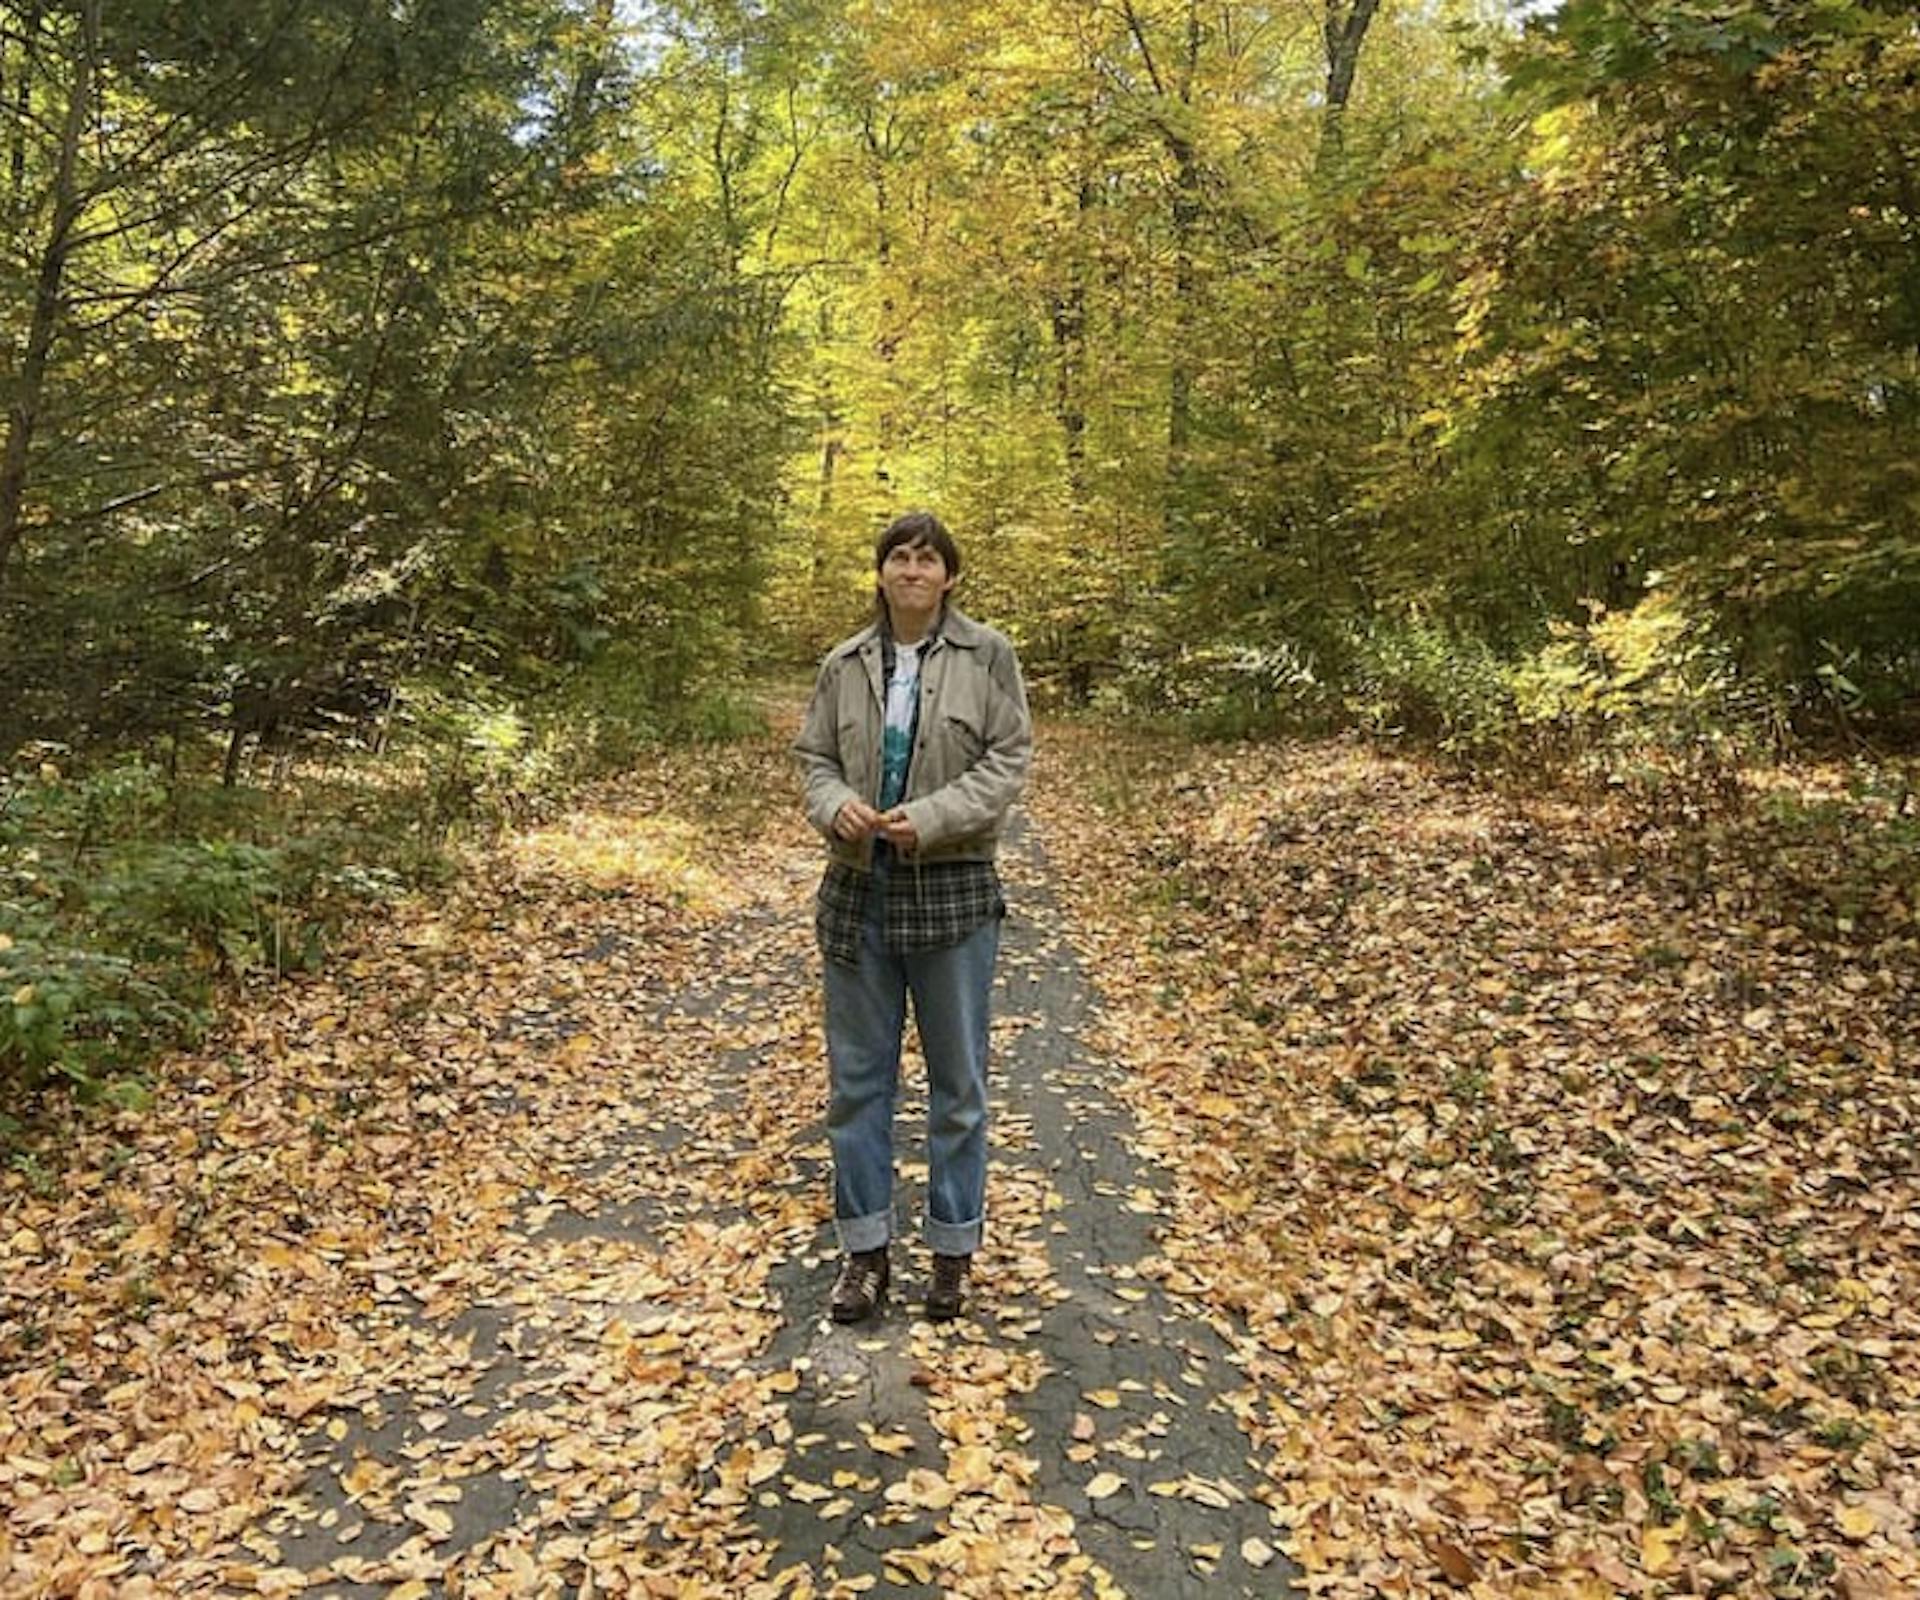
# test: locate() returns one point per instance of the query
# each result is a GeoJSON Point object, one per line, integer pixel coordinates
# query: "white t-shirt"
{"type": "Point", "coordinates": [896, 740]}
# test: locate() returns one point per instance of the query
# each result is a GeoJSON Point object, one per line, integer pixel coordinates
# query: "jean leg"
{"type": "Point", "coordinates": [866, 1014]}
{"type": "Point", "coordinates": [952, 1007]}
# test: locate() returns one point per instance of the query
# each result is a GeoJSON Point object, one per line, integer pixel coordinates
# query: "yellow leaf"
{"type": "Point", "coordinates": [1105, 1484]}
{"type": "Point", "coordinates": [1856, 1522]}
{"type": "Point", "coordinates": [1255, 1552]}
{"type": "Point", "coordinates": [1106, 1399]}
{"type": "Point", "coordinates": [1657, 1544]}
{"type": "Point", "coordinates": [915, 1567]}
{"type": "Point", "coordinates": [432, 1518]}
{"type": "Point", "coordinates": [924, 1488]}
{"type": "Point", "coordinates": [970, 1467]}
{"type": "Point", "coordinates": [364, 1475]}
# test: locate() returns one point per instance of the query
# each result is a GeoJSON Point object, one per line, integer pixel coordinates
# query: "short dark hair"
{"type": "Point", "coordinates": [918, 527]}
{"type": "Point", "coordinates": [913, 527]}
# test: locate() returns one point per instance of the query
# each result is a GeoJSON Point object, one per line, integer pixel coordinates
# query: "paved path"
{"type": "Point", "coordinates": [1075, 1431]}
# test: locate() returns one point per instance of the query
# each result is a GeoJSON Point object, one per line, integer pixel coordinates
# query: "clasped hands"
{"type": "Point", "coordinates": [858, 820]}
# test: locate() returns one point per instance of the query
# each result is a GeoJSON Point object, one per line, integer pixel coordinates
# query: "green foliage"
{"type": "Point", "coordinates": [479, 763]}
{"type": "Point", "coordinates": [1637, 316]}
{"type": "Point", "coordinates": [78, 1015]}
{"type": "Point", "coordinates": [1653, 669]}
{"type": "Point", "coordinates": [1227, 691]}
{"type": "Point", "coordinates": [472, 396]}
{"type": "Point", "coordinates": [117, 930]}
{"type": "Point", "coordinates": [1418, 678]}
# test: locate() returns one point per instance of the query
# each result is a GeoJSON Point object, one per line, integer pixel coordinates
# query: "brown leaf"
{"type": "Point", "coordinates": [1453, 1561]}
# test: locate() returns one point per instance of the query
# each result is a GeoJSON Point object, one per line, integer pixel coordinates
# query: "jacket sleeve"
{"type": "Point", "coordinates": [818, 751]}
{"type": "Point", "coordinates": [978, 800]}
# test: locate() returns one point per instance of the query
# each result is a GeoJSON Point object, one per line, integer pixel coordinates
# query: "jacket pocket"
{"type": "Point", "coordinates": [967, 739]}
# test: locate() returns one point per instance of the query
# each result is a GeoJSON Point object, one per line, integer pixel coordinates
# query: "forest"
{"type": "Point", "coordinates": [446, 400]}
{"type": "Point", "coordinates": [441, 438]}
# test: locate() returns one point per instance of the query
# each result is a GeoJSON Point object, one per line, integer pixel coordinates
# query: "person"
{"type": "Point", "coordinates": [915, 744]}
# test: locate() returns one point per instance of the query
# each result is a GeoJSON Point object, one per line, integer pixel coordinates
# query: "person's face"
{"type": "Point", "coordinates": [913, 577]}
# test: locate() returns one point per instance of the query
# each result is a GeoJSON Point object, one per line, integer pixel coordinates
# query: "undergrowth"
{"type": "Point", "coordinates": [138, 890]}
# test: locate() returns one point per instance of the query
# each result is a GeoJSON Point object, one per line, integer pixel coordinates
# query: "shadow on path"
{"type": "Point", "coordinates": [1077, 1423]}
{"type": "Point", "coordinates": [1131, 1387]}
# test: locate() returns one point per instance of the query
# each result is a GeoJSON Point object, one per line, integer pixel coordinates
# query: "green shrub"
{"type": "Point", "coordinates": [1652, 699]}
{"type": "Point", "coordinates": [1224, 690]}
{"type": "Point", "coordinates": [205, 902]}
{"type": "Point", "coordinates": [78, 1015]}
{"type": "Point", "coordinates": [1435, 684]}
{"type": "Point", "coordinates": [114, 931]}
{"type": "Point", "coordinates": [1651, 669]}
{"type": "Point", "coordinates": [130, 892]}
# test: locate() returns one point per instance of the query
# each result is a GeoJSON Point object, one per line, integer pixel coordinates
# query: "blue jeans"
{"type": "Point", "coordinates": [866, 1019]}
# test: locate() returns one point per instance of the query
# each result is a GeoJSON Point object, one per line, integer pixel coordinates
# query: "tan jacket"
{"type": "Point", "coordinates": [970, 754]}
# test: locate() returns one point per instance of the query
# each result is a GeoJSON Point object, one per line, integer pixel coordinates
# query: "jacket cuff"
{"type": "Point", "coordinates": [829, 808]}
{"type": "Point", "coordinates": [925, 815]}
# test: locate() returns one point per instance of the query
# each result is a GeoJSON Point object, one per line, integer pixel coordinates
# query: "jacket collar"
{"type": "Point", "coordinates": [955, 628]}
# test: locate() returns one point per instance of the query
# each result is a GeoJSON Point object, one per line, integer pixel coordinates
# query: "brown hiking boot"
{"type": "Point", "coordinates": [948, 1291]}
{"type": "Point", "coordinates": [861, 1287]}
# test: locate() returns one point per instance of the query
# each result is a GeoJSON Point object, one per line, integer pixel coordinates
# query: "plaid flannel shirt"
{"type": "Point", "coordinates": [928, 906]}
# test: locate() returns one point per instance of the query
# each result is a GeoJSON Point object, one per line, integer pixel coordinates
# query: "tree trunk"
{"type": "Point", "coordinates": [1069, 318]}
{"type": "Point", "coordinates": [1345, 33]}
{"type": "Point", "coordinates": [596, 54]}
{"type": "Point", "coordinates": [1186, 219]}
{"type": "Point", "coordinates": [881, 150]}
{"type": "Point", "coordinates": [30, 380]}
{"type": "Point", "coordinates": [23, 108]}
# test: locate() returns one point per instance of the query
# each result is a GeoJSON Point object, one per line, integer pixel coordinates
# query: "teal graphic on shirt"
{"type": "Point", "coordinates": [896, 740]}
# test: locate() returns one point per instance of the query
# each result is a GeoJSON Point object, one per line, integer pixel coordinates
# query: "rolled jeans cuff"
{"type": "Point", "coordinates": [871, 1232]}
{"type": "Point", "coordinates": [954, 1238]}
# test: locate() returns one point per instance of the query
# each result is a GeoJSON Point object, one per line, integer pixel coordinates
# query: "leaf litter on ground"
{"type": "Point", "coordinates": [1554, 1182]}
{"type": "Point", "coordinates": [296, 1248]}
{"type": "Point", "coordinates": [447, 1271]}
{"type": "Point", "coordinates": [1554, 1174]}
